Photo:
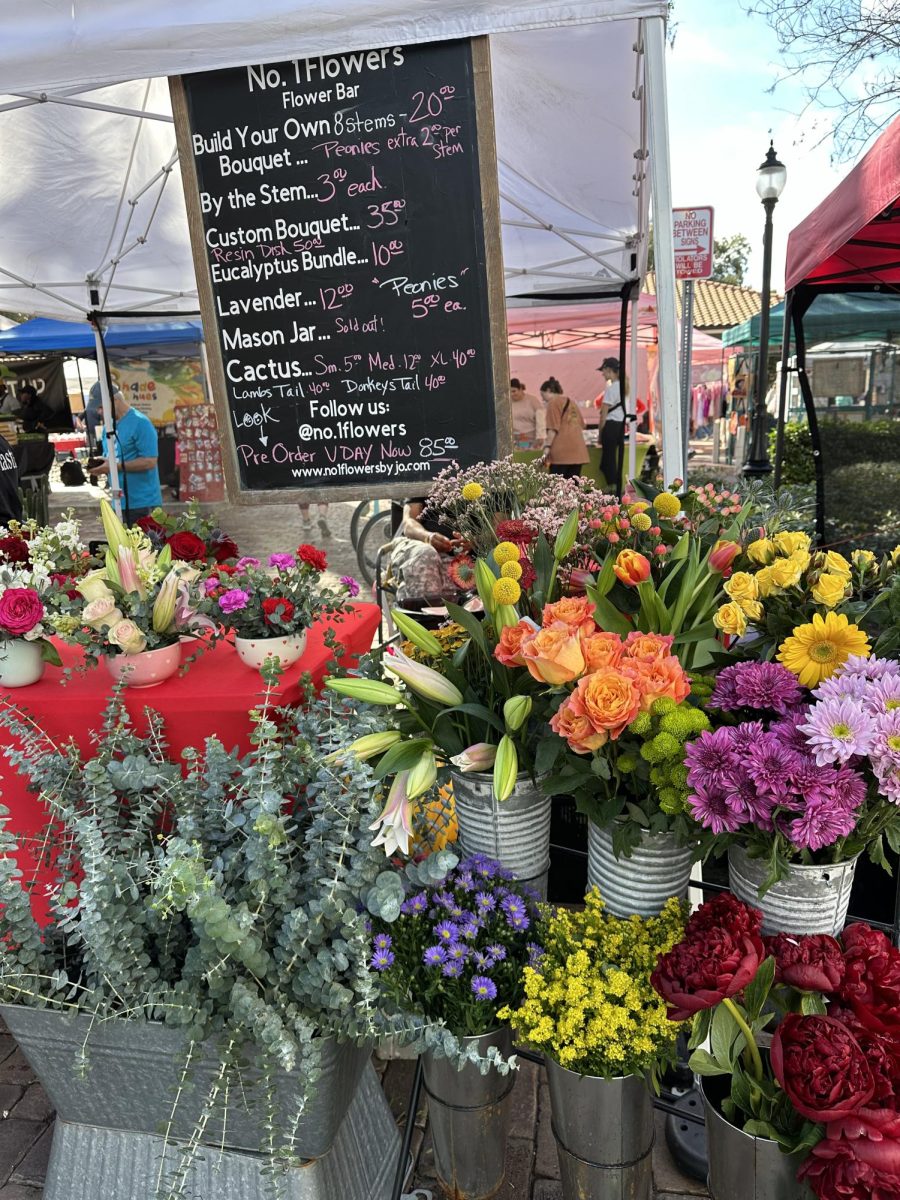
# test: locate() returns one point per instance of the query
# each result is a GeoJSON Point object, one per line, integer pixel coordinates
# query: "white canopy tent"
{"type": "Point", "coordinates": [90, 192]}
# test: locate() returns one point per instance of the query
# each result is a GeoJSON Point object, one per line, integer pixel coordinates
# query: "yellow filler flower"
{"type": "Point", "coordinates": [505, 552]}
{"type": "Point", "coordinates": [814, 652]}
{"type": "Point", "coordinates": [506, 591]}
{"type": "Point", "coordinates": [667, 504]}
{"type": "Point", "coordinates": [511, 570]}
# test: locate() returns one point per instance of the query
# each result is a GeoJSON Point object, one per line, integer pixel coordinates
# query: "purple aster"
{"type": "Point", "coordinates": [464, 881]}
{"type": "Point", "coordinates": [496, 951]}
{"type": "Point", "coordinates": [283, 562]}
{"type": "Point", "coordinates": [452, 970]}
{"type": "Point", "coordinates": [837, 730]}
{"type": "Point", "coordinates": [707, 757]}
{"type": "Point", "coordinates": [434, 956]}
{"type": "Point", "coordinates": [535, 954]}
{"type": "Point", "coordinates": [351, 585]}
{"type": "Point", "coordinates": [456, 952]}
{"type": "Point", "coordinates": [708, 807]}
{"type": "Point", "coordinates": [382, 959]}
{"type": "Point", "coordinates": [483, 988]}
{"type": "Point", "coordinates": [233, 600]}
{"type": "Point", "coordinates": [483, 962]}
{"type": "Point", "coordinates": [446, 932]}
{"type": "Point", "coordinates": [768, 762]}
{"type": "Point", "coordinates": [243, 563]}
{"type": "Point", "coordinates": [470, 929]}
{"type": "Point", "coordinates": [415, 904]}
{"type": "Point", "coordinates": [821, 824]}
{"type": "Point", "coordinates": [485, 902]}
{"type": "Point", "coordinates": [382, 941]}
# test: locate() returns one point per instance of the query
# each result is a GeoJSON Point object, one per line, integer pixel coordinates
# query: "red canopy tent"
{"type": "Point", "coordinates": [849, 243]}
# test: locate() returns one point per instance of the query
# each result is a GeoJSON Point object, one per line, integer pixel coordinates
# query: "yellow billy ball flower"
{"type": "Point", "coordinates": [667, 504]}
{"type": "Point", "coordinates": [730, 619]}
{"type": "Point", "coordinates": [506, 552]}
{"type": "Point", "coordinates": [638, 506]}
{"type": "Point", "coordinates": [641, 522]}
{"type": "Point", "coordinates": [829, 589]}
{"type": "Point", "coordinates": [506, 591]}
{"type": "Point", "coordinates": [472, 491]}
{"type": "Point", "coordinates": [511, 570]}
{"type": "Point", "coordinates": [761, 551]}
{"type": "Point", "coordinates": [789, 543]}
{"type": "Point", "coordinates": [814, 652]}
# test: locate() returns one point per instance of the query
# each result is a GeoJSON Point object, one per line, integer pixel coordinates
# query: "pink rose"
{"type": "Point", "coordinates": [20, 610]}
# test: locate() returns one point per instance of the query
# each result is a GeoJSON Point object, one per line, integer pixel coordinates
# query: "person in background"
{"type": "Point", "coordinates": [93, 414]}
{"type": "Point", "coordinates": [612, 423]}
{"type": "Point", "coordinates": [422, 552]}
{"type": "Point", "coordinates": [306, 517]}
{"type": "Point", "coordinates": [528, 420]}
{"type": "Point", "coordinates": [10, 500]}
{"type": "Point", "coordinates": [565, 451]}
{"type": "Point", "coordinates": [136, 451]}
{"type": "Point", "coordinates": [33, 413]}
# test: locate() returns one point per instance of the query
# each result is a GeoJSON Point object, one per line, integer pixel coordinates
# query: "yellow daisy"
{"type": "Point", "coordinates": [814, 652]}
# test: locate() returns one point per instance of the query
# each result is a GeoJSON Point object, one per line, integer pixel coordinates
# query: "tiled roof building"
{"type": "Point", "coordinates": [717, 306]}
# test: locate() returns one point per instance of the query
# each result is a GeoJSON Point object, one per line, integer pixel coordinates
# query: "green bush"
{"type": "Point", "coordinates": [862, 506]}
{"type": "Point", "coordinates": [844, 443]}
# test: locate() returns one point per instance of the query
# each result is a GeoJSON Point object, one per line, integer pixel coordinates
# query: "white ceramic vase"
{"type": "Point", "coordinates": [20, 663]}
{"type": "Point", "coordinates": [287, 648]}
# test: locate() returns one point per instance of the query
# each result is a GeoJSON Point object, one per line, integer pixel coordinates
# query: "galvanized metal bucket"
{"type": "Point", "coordinates": [742, 1167]}
{"type": "Point", "coordinates": [468, 1114]}
{"type": "Point", "coordinates": [657, 869]}
{"type": "Point", "coordinates": [604, 1135]}
{"type": "Point", "coordinates": [515, 832]}
{"type": "Point", "coordinates": [809, 900]}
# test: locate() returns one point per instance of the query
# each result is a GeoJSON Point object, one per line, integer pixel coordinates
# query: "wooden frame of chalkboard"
{"type": "Point", "coordinates": [390, 314]}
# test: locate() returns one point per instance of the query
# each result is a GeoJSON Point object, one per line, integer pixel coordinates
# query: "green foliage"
{"type": "Point", "coordinates": [731, 255]}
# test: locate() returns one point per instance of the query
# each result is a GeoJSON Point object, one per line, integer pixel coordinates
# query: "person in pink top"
{"type": "Point", "coordinates": [565, 450]}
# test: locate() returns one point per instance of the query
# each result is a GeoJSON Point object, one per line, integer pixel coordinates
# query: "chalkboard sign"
{"type": "Point", "coordinates": [346, 257]}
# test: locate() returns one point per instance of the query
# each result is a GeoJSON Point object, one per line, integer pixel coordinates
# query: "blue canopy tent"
{"type": "Point", "coordinates": [76, 338]}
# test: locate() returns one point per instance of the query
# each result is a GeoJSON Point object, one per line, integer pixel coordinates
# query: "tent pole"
{"type": "Point", "coordinates": [783, 389]}
{"type": "Point", "coordinates": [623, 342]}
{"type": "Point", "coordinates": [109, 419]}
{"type": "Point", "coordinates": [673, 464]}
{"type": "Point", "coordinates": [631, 398]}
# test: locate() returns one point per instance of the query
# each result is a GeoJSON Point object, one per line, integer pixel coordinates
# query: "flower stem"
{"type": "Point", "coordinates": [748, 1034]}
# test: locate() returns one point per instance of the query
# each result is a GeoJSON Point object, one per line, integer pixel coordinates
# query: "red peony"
{"type": "Point", "coordinates": [814, 963]}
{"type": "Point", "coordinates": [726, 912]}
{"type": "Point", "coordinates": [882, 1051]}
{"type": "Point", "coordinates": [225, 549]}
{"type": "Point", "coordinates": [187, 547]}
{"type": "Point", "coordinates": [859, 1159]}
{"type": "Point", "coordinates": [277, 606]}
{"type": "Point", "coordinates": [14, 550]}
{"type": "Point", "coordinates": [20, 610]}
{"type": "Point", "coordinates": [708, 966]}
{"type": "Point", "coordinates": [313, 556]}
{"type": "Point", "coordinates": [821, 1067]}
{"type": "Point", "coordinates": [872, 977]}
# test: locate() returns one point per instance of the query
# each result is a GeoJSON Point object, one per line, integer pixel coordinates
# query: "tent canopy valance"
{"type": "Point", "coordinates": [42, 336]}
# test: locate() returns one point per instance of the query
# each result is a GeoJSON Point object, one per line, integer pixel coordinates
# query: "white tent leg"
{"type": "Point", "coordinates": [108, 424]}
{"type": "Point", "coordinates": [673, 464]}
{"type": "Point", "coordinates": [631, 398]}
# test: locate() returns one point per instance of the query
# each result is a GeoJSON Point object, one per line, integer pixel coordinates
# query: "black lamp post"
{"type": "Point", "coordinates": [770, 181]}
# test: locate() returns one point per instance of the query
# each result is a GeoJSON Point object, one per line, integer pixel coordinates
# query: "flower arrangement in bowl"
{"type": "Point", "coordinates": [270, 608]}
{"type": "Point", "coordinates": [24, 644]}
{"type": "Point", "coordinates": [824, 1105]}
{"type": "Point", "coordinates": [134, 611]}
{"type": "Point", "coordinates": [190, 535]}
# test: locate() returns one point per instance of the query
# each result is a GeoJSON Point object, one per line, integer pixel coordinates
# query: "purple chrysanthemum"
{"type": "Point", "coordinates": [837, 730]}
{"type": "Point", "coordinates": [382, 941]}
{"type": "Point", "coordinates": [746, 735]}
{"type": "Point", "coordinates": [760, 685]}
{"type": "Point", "coordinates": [382, 959]}
{"type": "Point", "coordinates": [790, 732]}
{"type": "Point", "coordinates": [233, 600]}
{"type": "Point", "coordinates": [446, 932]}
{"type": "Point", "coordinates": [351, 585]}
{"type": "Point", "coordinates": [708, 807]}
{"type": "Point", "coordinates": [434, 956]}
{"type": "Point", "coordinates": [745, 800]}
{"type": "Point", "coordinates": [768, 762]}
{"type": "Point", "coordinates": [848, 788]}
{"type": "Point", "coordinates": [483, 988]}
{"type": "Point", "coordinates": [820, 824]}
{"type": "Point", "coordinates": [452, 970]}
{"type": "Point", "coordinates": [283, 562]}
{"type": "Point", "coordinates": [707, 758]}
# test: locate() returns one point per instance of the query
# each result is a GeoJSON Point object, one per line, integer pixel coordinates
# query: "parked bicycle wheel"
{"type": "Point", "coordinates": [375, 533]}
{"type": "Point", "coordinates": [361, 514]}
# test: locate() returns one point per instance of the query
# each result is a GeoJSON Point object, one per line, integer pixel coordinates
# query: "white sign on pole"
{"type": "Point", "coordinates": [692, 230]}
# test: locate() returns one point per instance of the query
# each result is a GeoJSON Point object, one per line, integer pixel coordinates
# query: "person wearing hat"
{"type": "Point", "coordinates": [612, 423]}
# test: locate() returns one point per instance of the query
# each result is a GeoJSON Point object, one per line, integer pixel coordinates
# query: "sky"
{"type": "Point", "coordinates": [721, 112]}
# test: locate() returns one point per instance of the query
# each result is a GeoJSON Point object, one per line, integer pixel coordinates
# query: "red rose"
{"type": "Point", "coordinates": [277, 606]}
{"type": "Point", "coordinates": [705, 968]}
{"type": "Point", "coordinates": [859, 1159]}
{"type": "Point", "coordinates": [225, 549]}
{"type": "Point", "coordinates": [726, 912]}
{"type": "Point", "coordinates": [187, 547]}
{"type": "Point", "coordinates": [313, 556]}
{"type": "Point", "coordinates": [821, 1067]}
{"type": "Point", "coordinates": [226, 569]}
{"type": "Point", "coordinates": [812, 963]}
{"type": "Point", "coordinates": [150, 525]}
{"type": "Point", "coordinates": [20, 610]}
{"type": "Point", "coordinates": [14, 550]}
{"type": "Point", "coordinates": [872, 977]}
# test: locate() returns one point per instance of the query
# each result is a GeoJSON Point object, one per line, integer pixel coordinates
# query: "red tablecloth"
{"type": "Point", "coordinates": [212, 698]}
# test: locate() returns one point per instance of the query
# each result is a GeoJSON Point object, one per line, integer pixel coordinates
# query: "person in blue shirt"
{"type": "Point", "coordinates": [136, 451]}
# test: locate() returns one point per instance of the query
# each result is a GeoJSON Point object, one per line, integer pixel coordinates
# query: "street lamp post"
{"type": "Point", "coordinates": [770, 181]}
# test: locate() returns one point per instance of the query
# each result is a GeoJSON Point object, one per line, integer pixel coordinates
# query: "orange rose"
{"type": "Point", "coordinates": [570, 722]}
{"type": "Point", "coordinates": [631, 568]}
{"type": "Point", "coordinates": [575, 611]}
{"type": "Point", "coordinates": [611, 700]}
{"type": "Point", "coordinates": [647, 647]}
{"type": "Point", "coordinates": [601, 650]}
{"type": "Point", "coordinates": [509, 649]}
{"type": "Point", "coordinates": [553, 655]}
{"type": "Point", "coordinates": [661, 677]}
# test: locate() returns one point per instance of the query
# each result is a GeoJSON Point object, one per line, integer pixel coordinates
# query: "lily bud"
{"type": "Point", "coordinates": [479, 757]}
{"type": "Point", "coordinates": [516, 712]}
{"type": "Point", "coordinates": [565, 539]}
{"type": "Point", "coordinates": [395, 820]}
{"type": "Point", "coordinates": [370, 691]}
{"type": "Point", "coordinates": [115, 531]}
{"type": "Point", "coordinates": [422, 680]}
{"type": "Point", "coordinates": [506, 769]}
{"type": "Point", "coordinates": [422, 775]}
{"type": "Point", "coordinates": [484, 582]}
{"type": "Point", "coordinates": [368, 746]}
{"type": "Point", "coordinates": [163, 614]}
{"type": "Point", "coordinates": [505, 617]}
{"type": "Point", "coordinates": [126, 565]}
{"type": "Point", "coordinates": [420, 637]}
